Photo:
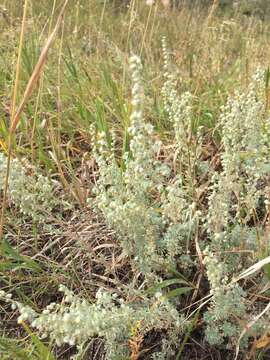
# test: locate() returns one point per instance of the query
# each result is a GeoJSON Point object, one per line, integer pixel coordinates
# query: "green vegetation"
{"type": "Point", "coordinates": [134, 179]}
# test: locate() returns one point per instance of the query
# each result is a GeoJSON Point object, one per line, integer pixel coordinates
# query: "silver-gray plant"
{"type": "Point", "coordinates": [33, 194]}
{"type": "Point", "coordinates": [151, 215]}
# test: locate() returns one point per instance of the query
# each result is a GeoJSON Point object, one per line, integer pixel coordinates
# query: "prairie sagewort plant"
{"type": "Point", "coordinates": [75, 320]}
{"type": "Point", "coordinates": [33, 194]}
{"type": "Point", "coordinates": [154, 208]}
{"type": "Point", "coordinates": [152, 212]}
{"type": "Point", "coordinates": [238, 207]}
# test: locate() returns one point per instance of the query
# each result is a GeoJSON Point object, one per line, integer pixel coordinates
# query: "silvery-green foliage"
{"type": "Point", "coordinates": [239, 192]}
{"type": "Point", "coordinates": [129, 197]}
{"type": "Point", "coordinates": [180, 215]}
{"type": "Point", "coordinates": [169, 345]}
{"type": "Point", "coordinates": [75, 320]}
{"type": "Point", "coordinates": [227, 303]}
{"type": "Point", "coordinates": [179, 110]}
{"type": "Point", "coordinates": [157, 221]}
{"type": "Point", "coordinates": [32, 194]}
{"type": "Point", "coordinates": [153, 219]}
{"type": "Point", "coordinates": [241, 187]}
{"type": "Point", "coordinates": [179, 208]}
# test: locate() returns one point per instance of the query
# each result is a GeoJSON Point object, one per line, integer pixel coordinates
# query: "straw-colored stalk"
{"type": "Point", "coordinates": [16, 113]}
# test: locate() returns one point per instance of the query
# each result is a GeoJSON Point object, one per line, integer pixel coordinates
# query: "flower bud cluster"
{"type": "Point", "coordinates": [241, 185]}
{"type": "Point", "coordinates": [128, 196]}
{"type": "Point", "coordinates": [75, 320]}
{"type": "Point", "coordinates": [151, 218]}
{"type": "Point", "coordinates": [227, 302]}
{"type": "Point", "coordinates": [179, 110]}
{"type": "Point", "coordinates": [32, 194]}
{"type": "Point", "coordinates": [238, 192]}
